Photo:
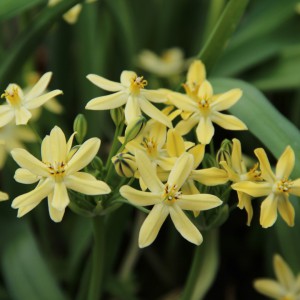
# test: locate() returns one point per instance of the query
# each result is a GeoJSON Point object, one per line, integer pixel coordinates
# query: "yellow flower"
{"type": "Point", "coordinates": [287, 285]}
{"type": "Point", "coordinates": [3, 196]}
{"type": "Point", "coordinates": [19, 104]}
{"type": "Point", "coordinates": [202, 107]}
{"type": "Point", "coordinates": [276, 187]}
{"type": "Point", "coordinates": [168, 199]}
{"type": "Point", "coordinates": [131, 92]}
{"type": "Point", "coordinates": [170, 63]}
{"type": "Point", "coordinates": [237, 172]}
{"type": "Point", "coordinates": [57, 172]}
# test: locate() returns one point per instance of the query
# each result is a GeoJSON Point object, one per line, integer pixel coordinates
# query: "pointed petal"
{"type": "Point", "coordinates": [159, 133]}
{"type": "Point", "coordinates": [25, 176]}
{"type": "Point", "coordinates": [227, 121]}
{"type": "Point", "coordinates": [104, 83]}
{"type": "Point", "coordinates": [166, 163]}
{"type": "Point", "coordinates": [285, 163]}
{"type": "Point", "coordinates": [182, 169]}
{"type": "Point", "coordinates": [86, 184]}
{"type": "Point", "coordinates": [210, 176]}
{"type": "Point", "coordinates": [148, 173]}
{"type": "Point", "coordinates": [286, 210]}
{"type": "Point", "coordinates": [127, 77]}
{"type": "Point", "coordinates": [283, 273]}
{"type": "Point", "coordinates": [232, 175]}
{"type": "Point", "coordinates": [266, 171]}
{"type": "Point", "coordinates": [226, 100]}
{"type": "Point", "coordinates": [154, 96]}
{"type": "Point", "coordinates": [55, 214]}
{"type": "Point", "coordinates": [198, 152]}
{"type": "Point", "coordinates": [184, 226]}
{"type": "Point", "coordinates": [152, 225]}
{"type": "Point", "coordinates": [107, 102]}
{"type": "Point", "coordinates": [60, 196]}
{"type": "Point", "coordinates": [175, 143]}
{"type": "Point", "coordinates": [132, 109]}
{"type": "Point", "coordinates": [268, 211]}
{"type": "Point", "coordinates": [27, 161]}
{"type": "Point", "coordinates": [22, 115]}
{"type": "Point", "coordinates": [236, 156]}
{"type": "Point", "coordinates": [185, 126]}
{"type": "Point", "coordinates": [6, 114]}
{"type": "Point", "coordinates": [198, 202]}
{"type": "Point", "coordinates": [245, 202]}
{"type": "Point", "coordinates": [196, 73]}
{"type": "Point", "coordinates": [205, 91]}
{"type": "Point", "coordinates": [183, 102]}
{"type": "Point", "coordinates": [3, 196]}
{"type": "Point", "coordinates": [295, 188]}
{"type": "Point", "coordinates": [205, 130]}
{"type": "Point", "coordinates": [70, 142]}
{"type": "Point", "coordinates": [25, 209]}
{"type": "Point", "coordinates": [269, 288]}
{"type": "Point", "coordinates": [83, 156]}
{"type": "Point", "coordinates": [58, 145]}
{"type": "Point", "coordinates": [139, 198]}
{"type": "Point", "coordinates": [39, 87]}
{"type": "Point", "coordinates": [39, 101]}
{"type": "Point", "coordinates": [254, 189]}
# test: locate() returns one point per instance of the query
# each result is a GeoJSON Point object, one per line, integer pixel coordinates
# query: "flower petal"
{"type": "Point", "coordinates": [58, 145]}
{"type": "Point", "coordinates": [198, 152]}
{"type": "Point", "coordinates": [127, 77]}
{"type": "Point", "coordinates": [236, 156]}
{"type": "Point", "coordinates": [295, 188]}
{"type": "Point", "coordinates": [266, 171]}
{"type": "Point", "coordinates": [205, 130]}
{"type": "Point", "coordinates": [268, 211]}
{"type": "Point", "coordinates": [132, 109]}
{"type": "Point", "coordinates": [184, 226]}
{"type": "Point", "coordinates": [269, 288]}
{"type": "Point", "coordinates": [183, 102]}
{"type": "Point", "coordinates": [283, 273]}
{"type": "Point", "coordinates": [107, 102]}
{"type": "Point", "coordinates": [39, 101]}
{"type": "Point", "coordinates": [286, 210]}
{"type": "Point", "coordinates": [152, 225]}
{"type": "Point", "coordinates": [25, 176]}
{"type": "Point", "coordinates": [210, 176]}
{"type": "Point", "coordinates": [3, 196]}
{"type": "Point", "coordinates": [86, 184]}
{"type": "Point", "coordinates": [227, 121]}
{"type": "Point", "coordinates": [104, 83]}
{"type": "Point", "coordinates": [22, 115]}
{"type": "Point", "coordinates": [254, 189]}
{"type": "Point", "coordinates": [196, 74]}
{"type": "Point", "coordinates": [39, 87]}
{"type": "Point", "coordinates": [175, 143]}
{"type": "Point", "coordinates": [60, 196]}
{"type": "Point", "coordinates": [55, 214]}
{"type": "Point", "coordinates": [154, 96]}
{"type": "Point", "coordinates": [139, 198]}
{"type": "Point", "coordinates": [245, 202]}
{"type": "Point", "coordinates": [226, 100]}
{"type": "Point", "coordinates": [285, 163]}
{"type": "Point", "coordinates": [185, 126]}
{"type": "Point", "coordinates": [6, 114]}
{"type": "Point", "coordinates": [198, 202]}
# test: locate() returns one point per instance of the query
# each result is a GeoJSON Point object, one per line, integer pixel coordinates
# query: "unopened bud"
{"type": "Point", "coordinates": [125, 164]}
{"type": "Point", "coordinates": [80, 126]}
{"type": "Point", "coordinates": [134, 128]}
{"type": "Point", "coordinates": [224, 153]}
{"type": "Point", "coordinates": [97, 163]}
{"type": "Point", "coordinates": [117, 116]}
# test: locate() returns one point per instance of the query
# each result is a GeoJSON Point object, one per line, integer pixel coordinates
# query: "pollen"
{"type": "Point", "coordinates": [56, 169]}
{"type": "Point", "coordinates": [12, 95]}
{"type": "Point", "coordinates": [150, 145]}
{"type": "Point", "coordinates": [137, 83]}
{"type": "Point", "coordinates": [171, 194]}
{"type": "Point", "coordinates": [284, 185]}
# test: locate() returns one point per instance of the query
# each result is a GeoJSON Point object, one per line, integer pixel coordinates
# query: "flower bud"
{"type": "Point", "coordinates": [125, 164]}
{"type": "Point", "coordinates": [224, 153]}
{"type": "Point", "coordinates": [97, 163]}
{"type": "Point", "coordinates": [80, 126]}
{"type": "Point", "coordinates": [134, 128]}
{"type": "Point", "coordinates": [117, 116]}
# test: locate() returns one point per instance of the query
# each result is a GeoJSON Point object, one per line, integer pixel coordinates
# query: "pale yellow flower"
{"type": "Point", "coordinates": [277, 187]}
{"type": "Point", "coordinates": [168, 199]}
{"type": "Point", "coordinates": [19, 104]}
{"type": "Point", "coordinates": [237, 172]}
{"type": "Point", "coordinates": [287, 285]}
{"type": "Point", "coordinates": [3, 196]}
{"type": "Point", "coordinates": [202, 108]}
{"type": "Point", "coordinates": [13, 136]}
{"type": "Point", "coordinates": [130, 92]}
{"type": "Point", "coordinates": [56, 173]}
{"type": "Point", "coordinates": [170, 63]}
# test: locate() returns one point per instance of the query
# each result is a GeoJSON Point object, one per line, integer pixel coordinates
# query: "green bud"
{"type": "Point", "coordinates": [209, 161]}
{"type": "Point", "coordinates": [224, 153]}
{"type": "Point", "coordinates": [117, 116]}
{"type": "Point", "coordinates": [134, 128]}
{"type": "Point", "coordinates": [80, 126]}
{"type": "Point", "coordinates": [125, 164]}
{"type": "Point", "coordinates": [97, 163]}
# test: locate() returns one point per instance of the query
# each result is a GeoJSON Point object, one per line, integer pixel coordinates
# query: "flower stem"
{"type": "Point", "coordinates": [98, 259]}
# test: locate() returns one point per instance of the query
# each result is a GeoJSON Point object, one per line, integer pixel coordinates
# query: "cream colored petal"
{"type": "Point", "coordinates": [205, 91]}
{"type": "Point", "coordinates": [198, 152]}
{"type": "Point", "coordinates": [70, 142]}
{"type": "Point", "coordinates": [86, 184]}
{"type": "Point", "coordinates": [175, 143]}
{"type": "Point", "coordinates": [159, 134]}
{"type": "Point", "coordinates": [39, 101]}
{"type": "Point", "coordinates": [236, 156]}
{"type": "Point", "coordinates": [210, 176]}
{"type": "Point", "coordinates": [189, 188]}
{"type": "Point", "coordinates": [60, 196]}
{"type": "Point", "coordinates": [39, 87]}
{"type": "Point", "coordinates": [205, 130]}
{"type": "Point", "coordinates": [83, 156]}
{"type": "Point", "coordinates": [266, 171]}
{"type": "Point", "coordinates": [3, 155]}
{"type": "Point", "coordinates": [283, 273]}
{"type": "Point", "coordinates": [46, 152]}
{"type": "Point", "coordinates": [184, 226]}
{"type": "Point", "coordinates": [154, 96]}
{"type": "Point", "coordinates": [22, 115]}
{"type": "Point", "coordinates": [268, 211]}
{"type": "Point", "coordinates": [286, 210]}
{"type": "Point", "coordinates": [183, 102]}
{"type": "Point", "coordinates": [3, 196]}
{"type": "Point", "coordinates": [148, 172]}
{"type": "Point", "coordinates": [185, 126]}
{"type": "Point", "coordinates": [166, 163]}
{"type": "Point", "coordinates": [6, 114]}
{"type": "Point", "coordinates": [127, 77]}
{"type": "Point", "coordinates": [227, 121]}
{"type": "Point", "coordinates": [232, 175]}
{"type": "Point", "coordinates": [198, 202]}
{"type": "Point", "coordinates": [152, 225]}
{"type": "Point", "coordinates": [254, 189]}
{"type": "Point", "coordinates": [154, 113]}
{"type": "Point", "coordinates": [269, 288]}
{"type": "Point", "coordinates": [181, 170]}
{"type": "Point", "coordinates": [55, 214]}
{"type": "Point", "coordinates": [54, 106]}
{"type": "Point", "coordinates": [26, 177]}
{"type": "Point", "coordinates": [132, 109]}
{"type": "Point", "coordinates": [285, 163]}
{"type": "Point", "coordinates": [58, 145]}
{"type": "Point", "coordinates": [27, 161]}
{"type": "Point", "coordinates": [104, 83]}
{"type": "Point", "coordinates": [196, 73]}
{"type": "Point", "coordinates": [226, 100]}
{"type": "Point", "coordinates": [245, 202]}
{"type": "Point", "coordinates": [139, 198]}
{"type": "Point", "coordinates": [108, 102]}
{"type": "Point", "coordinates": [25, 209]}
{"type": "Point", "coordinates": [35, 196]}
{"type": "Point", "coordinates": [295, 188]}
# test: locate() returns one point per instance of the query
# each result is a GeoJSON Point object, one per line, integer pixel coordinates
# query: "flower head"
{"type": "Point", "coordinates": [58, 171]}
{"type": "Point", "coordinates": [19, 103]}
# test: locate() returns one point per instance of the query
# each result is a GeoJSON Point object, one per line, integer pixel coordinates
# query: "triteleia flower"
{"type": "Point", "coordinates": [19, 104]}
{"type": "Point", "coordinates": [3, 196]}
{"type": "Point", "coordinates": [237, 172]}
{"type": "Point", "coordinates": [287, 285]}
{"type": "Point", "coordinates": [131, 92]}
{"type": "Point", "coordinates": [276, 187]}
{"type": "Point", "coordinates": [202, 107]}
{"type": "Point", "coordinates": [167, 199]}
{"type": "Point", "coordinates": [56, 173]}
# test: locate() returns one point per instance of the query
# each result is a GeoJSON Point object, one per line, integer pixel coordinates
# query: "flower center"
{"type": "Point", "coordinates": [171, 194]}
{"type": "Point", "coordinates": [191, 90]}
{"type": "Point", "coordinates": [12, 95]}
{"type": "Point", "coordinates": [283, 185]}
{"type": "Point", "coordinates": [254, 174]}
{"type": "Point", "coordinates": [137, 83]}
{"type": "Point", "coordinates": [150, 146]}
{"type": "Point", "coordinates": [56, 169]}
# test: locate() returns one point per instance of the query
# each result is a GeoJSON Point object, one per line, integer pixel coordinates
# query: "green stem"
{"type": "Point", "coordinates": [98, 259]}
